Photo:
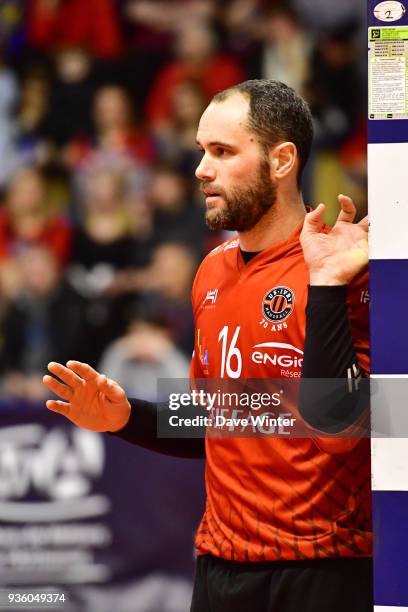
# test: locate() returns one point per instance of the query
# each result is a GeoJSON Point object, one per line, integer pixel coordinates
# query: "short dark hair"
{"type": "Point", "coordinates": [276, 114]}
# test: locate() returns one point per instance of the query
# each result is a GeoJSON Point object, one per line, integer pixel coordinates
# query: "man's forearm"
{"type": "Point", "coordinates": [328, 404]}
{"type": "Point", "coordinates": [141, 429]}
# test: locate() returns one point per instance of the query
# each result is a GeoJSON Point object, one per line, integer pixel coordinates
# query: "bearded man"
{"type": "Point", "coordinates": [287, 525]}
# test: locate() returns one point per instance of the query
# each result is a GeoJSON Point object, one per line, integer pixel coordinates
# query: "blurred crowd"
{"type": "Point", "coordinates": [101, 222]}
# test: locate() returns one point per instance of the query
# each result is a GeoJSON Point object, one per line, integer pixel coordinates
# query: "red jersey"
{"type": "Point", "coordinates": [56, 235]}
{"type": "Point", "coordinates": [275, 498]}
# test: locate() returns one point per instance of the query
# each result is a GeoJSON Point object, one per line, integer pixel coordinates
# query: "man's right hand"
{"type": "Point", "coordinates": [90, 399]}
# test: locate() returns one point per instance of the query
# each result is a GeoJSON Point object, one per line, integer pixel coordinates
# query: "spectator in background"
{"type": "Point", "coordinates": [115, 129]}
{"type": "Point", "coordinates": [335, 88]}
{"type": "Point", "coordinates": [285, 47]}
{"type": "Point", "coordinates": [176, 216]}
{"type": "Point", "coordinates": [93, 25]}
{"type": "Point", "coordinates": [243, 27]}
{"type": "Point", "coordinates": [42, 321]}
{"type": "Point", "coordinates": [118, 143]}
{"type": "Point", "coordinates": [167, 290]}
{"type": "Point", "coordinates": [104, 233]}
{"type": "Point", "coordinates": [176, 140]}
{"type": "Point", "coordinates": [71, 95]}
{"type": "Point", "coordinates": [335, 93]}
{"type": "Point", "coordinates": [241, 20]}
{"type": "Point", "coordinates": [149, 28]}
{"type": "Point", "coordinates": [163, 288]}
{"type": "Point", "coordinates": [103, 245]}
{"type": "Point", "coordinates": [144, 355]}
{"type": "Point", "coordinates": [30, 145]}
{"type": "Point", "coordinates": [27, 219]}
{"type": "Point", "coordinates": [196, 61]}
{"type": "Point", "coordinates": [271, 39]}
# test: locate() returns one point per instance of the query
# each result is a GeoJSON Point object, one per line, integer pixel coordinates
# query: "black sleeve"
{"type": "Point", "coordinates": [141, 429]}
{"type": "Point", "coordinates": [333, 392]}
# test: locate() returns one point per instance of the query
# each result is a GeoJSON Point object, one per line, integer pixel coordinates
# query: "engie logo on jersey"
{"type": "Point", "coordinates": [279, 354]}
{"type": "Point", "coordinates": [278, 304]}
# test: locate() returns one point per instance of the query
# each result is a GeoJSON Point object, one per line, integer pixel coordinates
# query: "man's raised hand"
{"type": "Point", "coordinates": [91, 400]}
{"type": "Point", "coordinates": [335, 258]}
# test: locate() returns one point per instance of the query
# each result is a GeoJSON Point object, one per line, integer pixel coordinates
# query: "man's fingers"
{"type": "Point", "coordinates": [111, 389]}
{"type": "Point", "coordinates": [57, 387]}
{"type": "Point", "coordinates": [57, 406]}
{"type": "Point", "coordinates": [364, 223]}
{"type": "Point", "coordinates": [348, 210]}
{"type": "Point", "coordinates": [65, 374]}
{"type": "Point", "coordinates": [83, 370]}
{"type": "Point", "coordinates": [314, 220]}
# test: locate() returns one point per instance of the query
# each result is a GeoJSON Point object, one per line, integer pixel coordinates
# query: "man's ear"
{"type": "Point", "coordinates": [283, 159]}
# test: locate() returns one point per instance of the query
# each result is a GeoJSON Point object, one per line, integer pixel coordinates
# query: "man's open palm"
{"type": "Point", "coordinates": [90, 399]}
{"type": "Point", "coordinates": [335, 258]}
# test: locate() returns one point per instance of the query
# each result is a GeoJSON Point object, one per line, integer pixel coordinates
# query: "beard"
{"type": "Point", "coordinates": [244, 207]}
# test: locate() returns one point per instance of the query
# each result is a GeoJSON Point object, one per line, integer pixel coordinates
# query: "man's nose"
{"type": "Point", "coordinates": [205, 171]}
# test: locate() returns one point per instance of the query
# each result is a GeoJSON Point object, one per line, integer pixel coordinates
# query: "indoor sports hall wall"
{"type": "Point", "coordinates": [388, 209]}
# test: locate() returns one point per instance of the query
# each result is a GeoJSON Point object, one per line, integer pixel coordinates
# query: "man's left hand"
{"type": "Point", "coordinates": [335, 258]}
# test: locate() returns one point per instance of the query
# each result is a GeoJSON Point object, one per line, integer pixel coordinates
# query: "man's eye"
{"type": "Point", "coordinates": [219, 151]}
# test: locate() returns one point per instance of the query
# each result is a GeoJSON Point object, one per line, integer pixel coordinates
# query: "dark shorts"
{"type": "Point", "coordinates": [324, 585]}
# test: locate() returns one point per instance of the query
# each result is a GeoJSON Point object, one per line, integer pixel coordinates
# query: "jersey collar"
{"type": "Point", "coordinates": [275, 252]}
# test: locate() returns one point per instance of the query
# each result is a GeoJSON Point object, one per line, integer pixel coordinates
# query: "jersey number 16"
{"type": "Point", "coordinates": [230, 355]}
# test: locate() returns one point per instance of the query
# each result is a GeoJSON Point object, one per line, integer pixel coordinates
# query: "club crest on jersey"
{"type": "Point", "coordinates": [278, 304]}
